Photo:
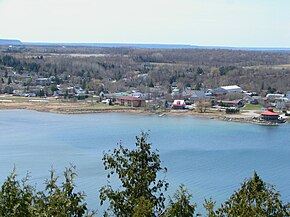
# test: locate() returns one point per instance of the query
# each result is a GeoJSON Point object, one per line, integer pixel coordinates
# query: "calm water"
{"type": "Point", "coordinates": [210, 157]}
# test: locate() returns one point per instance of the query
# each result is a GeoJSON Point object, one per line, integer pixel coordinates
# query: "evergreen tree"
{"type": "Point", "coordinates": [209, 207]}
{"type": "Point", "coordinates": [141, 191]}
{"type": "Point", "coordinates": [16, 197]}
{"type": "Point", "coordinates": [255, 198]}
{"type": "Point", "coordinates": [199, 71]}
{"type": "Point", "coordinates": [9, 80]}
{"type": "Point", "coordinates": [181, 207]}
{"type": "Point", "coordinates": [19, 199]}
{"type": "Point", "coordinates": [62, 200]}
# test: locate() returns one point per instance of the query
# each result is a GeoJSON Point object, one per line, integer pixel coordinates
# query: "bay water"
{"type": "Point", "coordinates": [210, 157]}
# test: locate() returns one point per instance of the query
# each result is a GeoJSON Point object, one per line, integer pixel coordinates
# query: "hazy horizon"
{"type": "Point", "coordinates": [159, 45]}
{"type": "Point", "coordinates": [226, 23]}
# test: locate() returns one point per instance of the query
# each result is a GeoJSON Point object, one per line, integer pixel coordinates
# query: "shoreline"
{"type": "Point", "coordinates": [82, 108]}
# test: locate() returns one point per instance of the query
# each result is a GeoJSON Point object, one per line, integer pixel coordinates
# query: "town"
{"type": "Point", "coordinates": [79, 80]}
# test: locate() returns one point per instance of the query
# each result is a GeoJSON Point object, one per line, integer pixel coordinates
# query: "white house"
{"type": "Point", "coordinates": [274, 96]}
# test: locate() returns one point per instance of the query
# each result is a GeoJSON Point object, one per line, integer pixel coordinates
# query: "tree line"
{"type": "Point", "coordinates": [141, 192]}
{"type": "Point", "coordinates": [204, 68]}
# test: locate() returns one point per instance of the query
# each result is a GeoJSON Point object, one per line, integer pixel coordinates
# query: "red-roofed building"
{"type": "Point", "coordinates": [178, 104]}
{"type": "Point", "coordinates": [270, 115]}
{"type": "Point", "coordinates": [130, 101]}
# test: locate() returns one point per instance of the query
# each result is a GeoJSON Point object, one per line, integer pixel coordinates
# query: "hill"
{"type": "Point", "coordinates": [10, 42]}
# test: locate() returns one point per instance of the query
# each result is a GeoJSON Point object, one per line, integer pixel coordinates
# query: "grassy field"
{"type": "Point", "coordinates": [52, 105]}
{"type": "Point", "coordinates": [99, 106]}
{"type": "Point", "coordinates": [252, 107]}
{"type": "Point", "coordinates": [20, 98]}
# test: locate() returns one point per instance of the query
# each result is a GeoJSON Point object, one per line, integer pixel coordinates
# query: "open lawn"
{"type": "Point", "coordinates": [99, 106]}
{"type": "Point", "coordinates": [252, 107]}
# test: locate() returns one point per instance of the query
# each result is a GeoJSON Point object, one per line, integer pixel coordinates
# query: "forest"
{"type": "Point", "coordinates": [111, 70]}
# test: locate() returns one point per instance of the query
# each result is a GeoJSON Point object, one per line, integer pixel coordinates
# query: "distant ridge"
{"type": "Point", "coordinates": [112, 45]}
{"type": "Point", "coordinates": [157, 46]}
{"type": "Point", "coordinates": [129, 45]}
{"type": "Point", "coordinates": [10, 42]}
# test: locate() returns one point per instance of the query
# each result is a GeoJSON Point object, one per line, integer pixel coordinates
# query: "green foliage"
{"type": "Point", "coordinates": [8, 60]}
{"type": "Point", "coordinates": [143, 208]}
{"type": "Point", "coordinates": [252, 107]}
{"type": "Point", "coordinates": [56, 80]}
{"type": "Point", "coordinates": [141, 191]}
{"type": "Point", "coordinates": [255, 198]}
{"type": "Point", "coordinates": [33, 67]}
{"type": "Point", "coordinates": [197, 86]}
{"type": "Point", "coordinates": [151, 83]}
{"type": "Point", "coordinates": [225, 69]}
{"type": "Point", "coordinates": [62, 200]}
{"type": "Point", "coordinates": [9, 80]}
{"type": "Point", "coordinates": [209, 207]}
{"type": "Point", "coordinates": [41, 93]}
{"type": "Point", "coordinates": [53, 87]}
{"type": "Point", "coordinates": [232, 110]}
{"type": "Point", "coordinates": [18, 199]}
{"type": "Point", "coordinates": [181, 206]}
{"type": "Point", "coordinates": [199, 71]}
{"type": "Point", "coordinates": [271, 90]}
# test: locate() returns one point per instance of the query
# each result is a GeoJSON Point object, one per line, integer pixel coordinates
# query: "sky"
{"type": "Point", "coordinates": [240, 23]}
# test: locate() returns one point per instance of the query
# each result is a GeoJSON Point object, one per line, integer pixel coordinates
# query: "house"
{"type": "Point", "coordinates": [43, 81]}
{"type": "Point", "coordinates": [79, 91]}
{"type": "Point", "coordinates": [115, 95]}
{"type": "Point", "coordinates": [227, 89]}
{"type": "Point", "coordinates": [174, 85]}
{"type": "Point", "coordinates": [271, 97]}
{"type": "Point", "coordinates": [139, 94]}
{"type": "Point", "coordinates": [58, 93]}
{"type": "Point", "coordinates": [281, 103]}
{"type": "Point", "coordinates": [178, 104]}
{"type": "Point", "coordinates": [233, 103]}
{"type": "Point", "coordinates": [130, 101]}
{"type": "Point", "coordinates": [155, 92]}
{"type": "Point", "coordinates": [256, 100]}
{"type": "Point", "coordinates": [187, 93]}
{"type": "Point", "coordinates": [175, 92]}
{"type": "Point", "coordinates": [197, 95]}
{"type": "Point", "coordinates": [270, 115]}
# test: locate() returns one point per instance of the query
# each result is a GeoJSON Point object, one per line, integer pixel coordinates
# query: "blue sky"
{"type": "Point", "coordinates": [251, 23]}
